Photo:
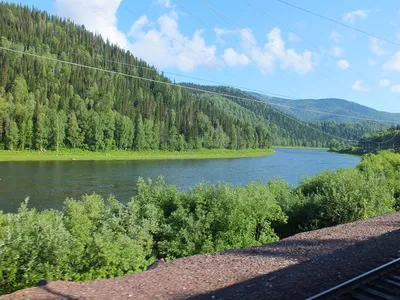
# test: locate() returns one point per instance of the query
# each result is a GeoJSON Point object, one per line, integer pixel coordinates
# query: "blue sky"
{"type": "Point", "coordinates": [292, 53]}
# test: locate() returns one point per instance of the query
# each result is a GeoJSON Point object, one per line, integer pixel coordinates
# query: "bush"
{"type": "Point", "coordinates": [33, 245]}
{"type": "Point", "coordinates": [386, 164]}
{"type": "Point", "coordinates": [209, 218]}
{"type": "Point", "coordinates": [91, 239]}
{"type": "Point", "coordinates": [332, 198]}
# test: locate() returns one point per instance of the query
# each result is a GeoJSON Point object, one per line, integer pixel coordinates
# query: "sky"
{"type": "Point", "coordinates": [263, 45]}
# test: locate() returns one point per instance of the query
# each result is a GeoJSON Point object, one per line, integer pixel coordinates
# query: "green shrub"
{"type": "Point", "coordinates": [332, 198]}
{"type": "Point", "coordinates": [33, 245]}
{"type": "Point", "coordinates": [387, 164]}
{"type": "Point", "coordinates": [209, 218]}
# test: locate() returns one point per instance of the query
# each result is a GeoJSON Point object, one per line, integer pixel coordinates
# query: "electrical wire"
{"type": "Point", "coordinates": [196, 89]}
{"type": "Point", "coordinates": [166, 83]}
{"type": "Point", "coordinates": [237, 49]}
{"type": "Point", "coordinates": [173, 84]}
{"type": "Point", "coordinates": [359, 74]}
{"type": "Point", "coordinates": [270, 94]}
{"type": "Point", "coordinates": [272, 45]}
{"type": "Point", "coordinates": [339, 23]}
{"type": "Point", "coordinates": [191, 77]}
{"type": "Point", "coordinates": [235, 86]}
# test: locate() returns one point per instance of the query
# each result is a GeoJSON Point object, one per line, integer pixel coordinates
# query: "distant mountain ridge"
{"type": "Point", "coordinates": [308, 109]}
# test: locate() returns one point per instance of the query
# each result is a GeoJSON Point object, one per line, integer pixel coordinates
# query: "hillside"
{"type": "Point", "coordinates": [287, 131]}
{"type": "Point", "coordinates": [48, 104]}
{"type": "Point", "coordinates": [330, 105]}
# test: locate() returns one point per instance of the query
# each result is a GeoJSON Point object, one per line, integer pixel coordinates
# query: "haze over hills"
{"type": "Point", "coordinates": [298, 108]}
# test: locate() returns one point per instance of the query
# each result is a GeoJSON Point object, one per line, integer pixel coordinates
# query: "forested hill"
{"type": "Point", "coordinates": [288, 130]}
{"type": "Point", "coordinates": [330, 105]}
{"type": "Point", "coordinates": [47, 104]}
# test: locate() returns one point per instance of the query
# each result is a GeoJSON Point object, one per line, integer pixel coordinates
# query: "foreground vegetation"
{"type": "Point", "coordinates": [96, 238]}
{"type": "Point", "coordinates": [76, 154]}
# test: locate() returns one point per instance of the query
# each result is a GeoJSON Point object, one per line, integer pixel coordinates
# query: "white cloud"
{"type": "Point", "coordinates": [249, 44]}
{"type": "Point", "coordinates": [337, 51]}
{"type": "Point", "coordinates": [376, 46]}
{"type": "Point", "coordinates": [221, 31]}
{"type": "Point", "coordinates": [358, 86]}
{"type": "Point", "coordinates": [292, 37]}
{"type": "Point", "coordinates": [166, 3]}
{"type": "Point", "coordinates": [289, 58]}
{"type": "Point", "coordinates": [335, 36]}
{"type": "Point", "coordinates": [395, 89]}
{"type": "Point", "coordinates": [275, 51]}
{"type": "Point", "coordinates": [384, 82]}
{"type": "Point", "coordinates": [139, 25]}
{"type": "Point", "coordinates": [371, 62]}
{"type": "Point", "coordinates": [97, 15]}
{"type": "Point", "coordinates": [343, 64]}
{"type": "Point", "coordinates": [233, 59]}
{"type": "Point", "coordinates": [393, 64]}
{"type": "Point", "coordinates": [351, 16]}
{"type": "Point", "coordinates": [165, 46]}
{"type": "Point", "coordinates": [160, 44]}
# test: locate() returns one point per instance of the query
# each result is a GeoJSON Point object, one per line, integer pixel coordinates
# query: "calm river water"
{"type": "Point", "coordinates": [48, 183]}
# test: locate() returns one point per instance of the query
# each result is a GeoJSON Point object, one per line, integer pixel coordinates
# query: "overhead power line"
{"type": "Point", "coordinates": [237, 49]}
{"type": "Point", "coordinates": [270, 94]}
{"type": "Point", "coordinates": [337, 60]}
{"type": "Point", "coordinates": [293, 57]}
{"type": "Point", "coordinates": [339, 23]}
{"type": "Point", "coordinates": [223, 84]}
{"type": "Point", "coordinates": [205, 91]}
{"type": "Point", "coordinates": [189, 64]}
{"type": "Point", "coordinates": [176, 85]}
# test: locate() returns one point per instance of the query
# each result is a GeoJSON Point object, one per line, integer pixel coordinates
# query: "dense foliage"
{"type": "Point", "coordinates": [96, 238]}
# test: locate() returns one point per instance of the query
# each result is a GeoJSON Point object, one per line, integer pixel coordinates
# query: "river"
{"type": "Point", "coordinates": [49, 183]}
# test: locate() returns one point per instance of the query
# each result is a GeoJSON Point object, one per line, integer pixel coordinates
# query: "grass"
{"type": "Point", "coordinates": [76, 154]}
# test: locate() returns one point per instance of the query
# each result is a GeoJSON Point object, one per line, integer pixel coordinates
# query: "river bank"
{"type": "Point", "coordinates": [69, 154]}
